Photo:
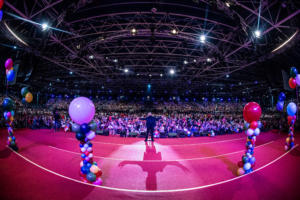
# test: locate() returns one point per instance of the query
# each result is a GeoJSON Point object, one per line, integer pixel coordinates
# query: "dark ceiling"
{"type": "Point", "coordinates": [91, 43]}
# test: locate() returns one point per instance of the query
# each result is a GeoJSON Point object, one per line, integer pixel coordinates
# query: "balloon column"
{"type": "Point", "coordinates": [1, 12]}
{"type": "Point", "coordinates": [291, 110]}
{"type": "Point", "coordinates": [8, 107]}
{"type": "Point", "coordinates": [280, 102]}
{"type": "Point", "coordinates": [251, 113]}
{"type": "Point", "coordinates": [27, 96]}
{"type": "Point", "coordinates": [82, 111]}
{"type": "Point", "coordinates": [10, 73]}
{"type": "Point", "coordinates": [295, 78]}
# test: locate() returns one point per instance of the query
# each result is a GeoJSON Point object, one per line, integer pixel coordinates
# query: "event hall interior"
{"type": "Point", "coordinates": [149, 99]}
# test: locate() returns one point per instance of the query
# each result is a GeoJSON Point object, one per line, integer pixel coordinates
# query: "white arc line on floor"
{"type": "Point", "coordinates": [166, 144]}
{"type": "Point", "coordinates": [188, 159]}
{"type": "Point", "coordinates": [154, 191]}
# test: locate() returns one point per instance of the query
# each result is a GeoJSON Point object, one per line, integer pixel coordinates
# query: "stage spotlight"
{"type": "Point", "coordinates": [150, 75]}
{"type": "Point", "coordinates": [185, 62]}
{"type": "Point", "coordinates": [91, 57]}
{"type": "Point", "coordinates": [227, 4]}
{"type": "Point", "coordinates": [172, 71]}
{"type": "Point", "coordinates": [44, 26]}
{"type": "Point", "coordinates": [195, 60]}
{"type": "Point", "coordinates": [70, 72]}
{"type": "Point", "coordinates": [15, 47]}
{"type": "Point", "coordinates": [133, 31]}
{"type": "Point", "coordinates": [161, 75]}
{"type": "Point", "coordinates": [174, 31]}
{"type": "Point", "coordinates": [257, 33]}
{"type": "Point", "coordinates": [115, 60]}
{"type": "Point", "coordinates": [227, 75]}
{"type": "Point", "coordinates": [208, 59]}
{"type": "Point", "coordinates": [149, 86]}
{"type": "Point", "coordinates": [126, 70]}
{"type": "Point", "coordinates": [202, 38]}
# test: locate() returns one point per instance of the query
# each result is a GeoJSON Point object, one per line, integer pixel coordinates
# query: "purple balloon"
{"type": "Point", "coordinates": [298, 79]}
{"type": "Point", "coordinates": [8, 63]}
{"type": "Point", "coordinates": [81, 110]}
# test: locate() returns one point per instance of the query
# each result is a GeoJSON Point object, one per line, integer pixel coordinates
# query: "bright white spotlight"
{"type": "Point", "coordinates": [185, 62]}
{"type": "Point", "coordinates": [115, 60]}
{"type": "Point", "coordinates": [91, 57]}
{"type": "Point", "coordinates": [257, 33]}
{"type": "Point", "coordinates": [172, 71]}
{"type": "Point", "coordinates": [174, 32]}
{"type": "Point", "coordinates": [208, 59]}
{"type": "Point", "coordinates": [45, 26]}
{"type": "Point", "coordinates": [133, 31]}
{"type": "Point", "coordinates": [161, 75]}
{"type": "Point", "coordinates": [126, 70]}
{"type": "Point", "coordinates": [227, 75]}
{"type": "Point", "coordinates": [202, 38]}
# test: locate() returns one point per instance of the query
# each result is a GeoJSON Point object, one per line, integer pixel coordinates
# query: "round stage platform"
{"type": "Point", "coordinates": [47, 167]}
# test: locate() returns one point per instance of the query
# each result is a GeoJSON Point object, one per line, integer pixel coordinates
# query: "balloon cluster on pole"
{"type": "Point", "coordinates": [280, 102]}
{"type": "Point", "coordinates": [27, 96]}
{"type": "Point", "coordinates": [82, 111]}
{"type": "Point", "coordinates": [10, 73]}
{"type": "Point", "coordinates": [295, 78]}
{"type": "Point", "coordinates": [291, 110]}
{"type": "Point", "coordinates": [8, 107]}
{"type": "Point", "coordinates": [251, 113]}
{"type": "Point", "coordinates": [1, 12]}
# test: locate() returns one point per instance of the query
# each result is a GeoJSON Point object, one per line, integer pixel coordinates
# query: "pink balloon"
{"type": "Point", "coordinates": [9, 63]}
{"type": "Point", "coordinates": [98, 182]}
{"type": "Point", "coordinates": [81, 110]}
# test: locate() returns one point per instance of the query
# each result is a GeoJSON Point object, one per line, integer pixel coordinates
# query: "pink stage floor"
{"type": "Point", "coordinates": [47, 167]}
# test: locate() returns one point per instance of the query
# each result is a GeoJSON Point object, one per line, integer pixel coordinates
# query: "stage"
{"type": "Point", "coordinates": [47, 167]}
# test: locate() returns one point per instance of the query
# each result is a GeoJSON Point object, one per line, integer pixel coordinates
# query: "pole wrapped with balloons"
{"type": "Point", "coordinates": [8, 107]}
{"type": "Point", "coordinates": [10, 73]}
{"type": "Point", "coordinates": [251, 113]}
{"type": "Point", "coordinates": [280, 102]}
{"type": "Point", "coordinates": [27, 96]}
{"type": "Point", "coordinates": [291, 110]}
{"type": "Point", "coordinates": [82, 111]}
{"type": "Point", "coordinates": [1, 12]}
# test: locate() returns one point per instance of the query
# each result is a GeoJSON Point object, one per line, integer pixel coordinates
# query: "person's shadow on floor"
{"type": "Point", "coordinates": [152, 164]}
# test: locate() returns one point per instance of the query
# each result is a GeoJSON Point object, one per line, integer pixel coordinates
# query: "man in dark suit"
{"type": "Point", "coordinates": [150, 123]}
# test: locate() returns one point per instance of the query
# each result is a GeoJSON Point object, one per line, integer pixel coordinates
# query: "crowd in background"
{"type": "Point", "coordinates": [115, 117]}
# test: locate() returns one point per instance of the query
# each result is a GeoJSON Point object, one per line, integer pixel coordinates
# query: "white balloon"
{"type": "Point", "coordinates": [86, 146]}
{"type": "Point", "coordinates": [90, 155]}
{"type": "Point", "coordinates": [250, 132]}
{"type": "Point", "coordinates": [256, 132]}
{"type": "Point", "coordinates": [89, 149]}
{"type": "Point", "coordinates": [83, 149]}
{"type": "Point", "coordinates": [91, 135]}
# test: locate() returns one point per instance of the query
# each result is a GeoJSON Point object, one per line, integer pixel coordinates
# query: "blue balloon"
{"type": "Point", "coordinates": [281, 96]}
{"type": "Point", "coordinates": [293, 72]}
{"type": "Point", "coordinates": [85, 169]}
{"type": "Point", "coordinates": [89, 165]}
{"type": "Point", "coordinates": [252, 160]}
{"type": "Point", "coordinates": [291, 109]}
{"type": "Point", "coordinates": [279, 105]}
{"type": "Point", "coordinates": [259, 124]}
{"type": "Point", "coordinates": [91, 177]}
{"type": "Point", "coordinates": [84, 128]}
{"type": "Point", "coordinates": [10, 75]}
{"type": "Point", "coordinates": [1, 15]}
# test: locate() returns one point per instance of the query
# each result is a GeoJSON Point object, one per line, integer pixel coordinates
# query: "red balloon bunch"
{"type": "Point", "coordinates": [1, 4]}
{"type": "Point", "coordinates": [292, 83]}
{"type": "Point", "coordinates": [252, 112]}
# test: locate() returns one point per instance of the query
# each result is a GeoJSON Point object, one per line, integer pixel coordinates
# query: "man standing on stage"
{"type": "Point", "coordinates": [150, 123]}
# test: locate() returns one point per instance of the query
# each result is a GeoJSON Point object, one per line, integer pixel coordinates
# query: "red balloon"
{"type": "Point", "coordinates": [240, 164]}
{"type": "Point", "coordinates": [254, 125]}
{"type": "Point", "coordinates": [1, 3]}
{"type": "Point", "coordinates": [99, 173]}
{"type": "Point", "coordinates": [290, 118]}
{"type": "Point", "coordinates": [252, 112]}
{"type": "Point", "coordinates": [292, 83]}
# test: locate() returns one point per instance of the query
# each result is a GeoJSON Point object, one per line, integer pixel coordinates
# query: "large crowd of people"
{"type": "Point", "coordinates": [182, 118]}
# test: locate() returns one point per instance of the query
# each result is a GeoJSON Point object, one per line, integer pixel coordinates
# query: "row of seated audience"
{"type": "Point", "coordinates": [124, 118]}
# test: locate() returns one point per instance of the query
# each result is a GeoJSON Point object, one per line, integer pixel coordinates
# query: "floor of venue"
{"type": "Point", "coordinates": [47, 167]}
